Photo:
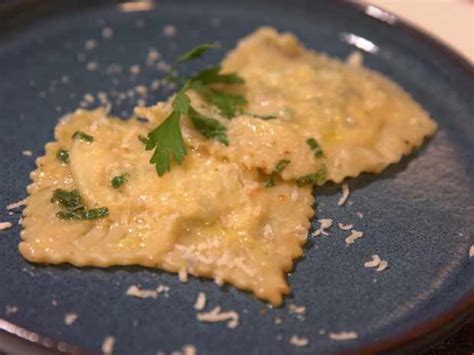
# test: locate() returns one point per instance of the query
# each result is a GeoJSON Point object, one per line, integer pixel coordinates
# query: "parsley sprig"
{"type": "Point", "coordinates": [278, 169]}
{"type": "Point", "coordinates": [167, 139]}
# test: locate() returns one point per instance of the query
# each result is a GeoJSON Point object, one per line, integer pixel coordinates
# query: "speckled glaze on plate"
{"type": "Point", "coordinates": [418, 215]}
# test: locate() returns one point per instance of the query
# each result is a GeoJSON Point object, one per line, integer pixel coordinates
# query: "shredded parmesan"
{"type": "Point", "coordinates": [278, 321]}
{"type": "Point", "coordinates": [343, 335]}
{"type": "Point", "coordinates": [27, 153]}
{"type": "Point", "coordinates": [324, 224]}
{"type": "Point", "coordinates": [108, 345]}
{"type": "Point", "coordinates": [200, 303]}
{"type": "Point", "coordinates": [382, 266]}
{"type": "Point", "coordinates": [135, 69]}
{"type": "Point", "coordinates": [15, 205]}
{"type": "Point", "coordinates": [345, 227]}
{"type": "Point", "coordinates": [360, 214]}
{"type": "Point", "coordinates": [70, 318]}
{"type": "Point", "coordinates": [107, 33]}
{"type": "Point", "coordinates": [355, 59]}
{"type": "Point", "coordinates": [297, 341]}
{"type": "Point", "coordinates": [189, 350]}
{"type": "Point", "coordinates": [374, 262]}
{"type": "Point", "coordinates": [471, 251]}
{"type": "Point", "coordinates": [91, 66]}
{"type": "Point", "coordinates": [267, 231]}
{"type": "Point", "coordinates": [215, 315]}
{"type": "Point", "coordinates": [134, 291]}
{"type": "Point", "coordinates": [301, 310]}
{"type": "Point", "coordinates": [5, 225]}
{"type": "Point", "coordinates": [345, 194]}
{"type": "Point", "coordinates": [10, 309]}
{"type": "Point", "coordinates": [354, 236]}
{"type": "Point", "coordinates": [183, 275]}
{"type": "Point", "coordinates": [169, 31]}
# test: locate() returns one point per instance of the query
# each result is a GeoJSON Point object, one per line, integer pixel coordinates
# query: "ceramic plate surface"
{"type": "Point", "coordinates": [418, 215]}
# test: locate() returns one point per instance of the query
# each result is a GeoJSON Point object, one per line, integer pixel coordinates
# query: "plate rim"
{"type": "Point", "coordinates": [442, 323]}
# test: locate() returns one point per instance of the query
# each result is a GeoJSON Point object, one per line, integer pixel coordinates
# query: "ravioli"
{"type": "Point", "coordinates": [208, 217]}
{"type": "Point", "coordinates": [362, 120]}
{"type": "Point", "coordinates": [215, 215]}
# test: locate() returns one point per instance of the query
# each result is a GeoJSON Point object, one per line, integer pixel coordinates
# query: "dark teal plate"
{"type": "Point", "coordinates": [418, 214]}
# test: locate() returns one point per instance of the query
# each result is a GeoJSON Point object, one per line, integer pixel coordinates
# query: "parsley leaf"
{"type": "Point", "coordinates": [83, 136]}
{"type": "Point", "coordinates": [63, 155]}
{"type": "Point", "coordinates": [118, 181]}
{"type": "Point", "coordinates": [181, 102]}
{"type": "Point", "coordinates": [278, 169]}
{"type": "Point", "coordinates": [228, 104]}
{"type": "Point", "coordinates": [209, 127]}
{"type": "Point", "coordinates": [315, 147]}
{"type": "Point", "coordinates": [266, 118]}
{"type": "Point", "coordinates": [168, 143]}
{"type": "Point", "coordinates": [318, 177]}
{"type": "Point", "coordinates": [67, 199]}
{"type": "Point", "coordinates": [211, 75]}
{"type": "Point", "coordinates": [196, 52]}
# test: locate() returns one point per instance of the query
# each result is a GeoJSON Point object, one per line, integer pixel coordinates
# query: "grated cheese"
{"type": "Point", "coordinates": [343, 335]}
{"type": "Point", "coordinates": [134, 291]}
{"type": "Point", "coordinates": [278, 321]}
{"type": "Point", "coordinates": [301, 310]}
{"type": "Point", "coordinates": [169, 31]}
{"type": "Point", "coordinates": [324, 224]}
{"type": "Point", "coordinates": [471, 251]}
{"type": "Point", "coordinates": [10, 309]}
{"type": "Point", "coordinates": [345, 194]}
{"type": "Point", "coordinates": [27, 153]}
{"type": "Point", "coordinates": [374, 262]}
{"type": "Point", "coordinates": [353, 236]}
{"type": "Point", "coordinates": [90, 44]}
{"type": "Point", "coordinates": [5, 225]}
{"type": "Point", "coordinates": [91, 66]}
{"type": "Point", "coordinates": [15, 205]}
{"type": "Point", "coordinates": [183, 275]}
{"type": "Point", "coordinates": [200, 303]}
{"type": "Point", "coordinates": [70, 318]}
{"type": "Point", "coordinates": [135, 69]}
{"type": "Point", "coordinates": [108, 345]}
{"type": "Point", "coordinates": [382, 266]}
{"type": "Point", "coordinates": [107, 33]}
{"type": "Point", "coordinates": [355, 59]}
{"type": "Point", "coordinates": [345, 227]}
{"type": "Point", "coordinates": [267, 231]}
{"type": "Point", "coordinates": [297, 341]}
{"type": "Point", "coordinates": [215, 315]}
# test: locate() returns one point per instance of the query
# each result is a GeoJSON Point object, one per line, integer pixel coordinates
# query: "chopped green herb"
{"type": "Point", "coordinates": [278, 169]}
{"type": "Point", "coordinates": [62, 155]}
{"type": "Point", "coordinates": [83, 136]}
{"type": "Point", "coordinates": [71, 201]}
{"type": "Point", "coordinates": [315, 178]}
{"type": "Point", "coordinates": [315, 147]}
{"type": "Point", "coordinates": [96, 213]}
{"type": "Point", "coordinates": [118, 181]}
{"type": "Point", "coordinates": [209, 127]}
{"type": "Point", "coordinates": [196, 52]}
{"type": "Point", "coordinates": [67, 199]}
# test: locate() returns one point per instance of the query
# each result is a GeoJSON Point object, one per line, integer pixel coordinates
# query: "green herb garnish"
{"type": "Point", "coordinates": [196, 52]}
{"type": "Point", "coordinates": [63, 155]}
{"type": "Point", "coordinates": [73, 208]}
{"type": "Point", "coordinates": [315, 178]}
{"type": "Point", "coordinates": [83, 136]}
{"type": "Point", "coordinates": [278, 169]}
{"type": "Point", "coordinates": [315, 147]}
{"type": "Point", "coordinates": [209, 127]}
{"type": "Point", "coordinates": [118, 181]}
{"type": "Point", "coordinates": [166, 139]}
